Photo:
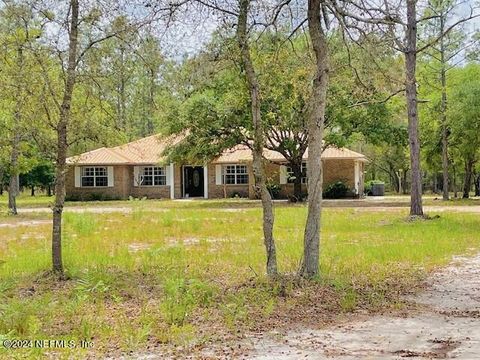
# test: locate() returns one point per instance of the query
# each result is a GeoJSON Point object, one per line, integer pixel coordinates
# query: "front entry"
{"type": "Point", "coordinates": [193, 181]}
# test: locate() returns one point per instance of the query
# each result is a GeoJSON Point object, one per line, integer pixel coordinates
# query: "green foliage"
{"type": "Point", "coordinates": [215, 113]}
{"type": "Point", "coordinates": [91, 284]}
{"type": "Point", "coordinates": [464, 111]}
{"type": "Point", "coordinates": [81, 224]}
{"type": "Point", "coordinates": [91, 197]}
{"type": "Point", "coordinates": [182, 296]}
{"type": "Point", "coordinates": [274, 189]}
{"type": "Point", "coordinates": [42, 175]}
{"type": "Point", "coordinates": [336, 190]}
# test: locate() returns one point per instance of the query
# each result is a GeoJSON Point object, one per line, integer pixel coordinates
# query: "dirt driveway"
{"type": "Point", "coordinates": [447, 325]}
{"type": "Point", "coordinates": [358, 205]}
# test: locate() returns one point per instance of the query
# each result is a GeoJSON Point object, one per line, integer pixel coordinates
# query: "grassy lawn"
{"type": "Point", "coordinates": [40, 200]}
{"type": "Point", "coordinates": [187, 276]}
{"type": "Point", "coordinates": [26, 200]}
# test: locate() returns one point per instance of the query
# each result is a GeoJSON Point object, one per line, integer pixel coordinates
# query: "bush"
{"type": "Point", "coordinates": [273, 189]}
{"type": "Point", "coordinates": [369, 184]}
{"type": "Point", "coordinates": [91, 197]}
{"type": "Point", "coordinates": [336, 190]}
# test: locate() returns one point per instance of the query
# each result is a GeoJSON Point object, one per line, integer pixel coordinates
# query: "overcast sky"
{"type": "Point", "coordinates": [190, 32]}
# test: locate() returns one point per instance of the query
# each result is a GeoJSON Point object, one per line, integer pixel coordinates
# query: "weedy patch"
{"type": "Point", "coordinates": [183, 278]}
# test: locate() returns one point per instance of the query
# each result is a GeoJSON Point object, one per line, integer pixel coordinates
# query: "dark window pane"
{"type": "Point", "coordinates": [147, 171]}
{"type": "Point", "coordinates": [241, 169]}
{"type": "Point", "coordinates": [101, 181]}
{"type": "Point", "coordinates": [88, 171]}
{"type": "Point", "coordinates": [101, 171]}
{"type": "Point", "coordinates": [147, 180]}
{"type": "Point", "coordinates": [242, 179]}
{"type": "Point", "coordinates": [87, 181]}
{"type": "Point", "coordinates": [229, 179]}
{"type": "Point", "coordinates": [159, 171]}
{"type": "Point", "coordinates": [160, 180]}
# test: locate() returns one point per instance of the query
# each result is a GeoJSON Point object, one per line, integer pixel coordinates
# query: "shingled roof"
{"type": "Point", "coordinates": [150, 150]}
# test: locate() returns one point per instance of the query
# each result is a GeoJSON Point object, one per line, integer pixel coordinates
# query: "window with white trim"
{"type": "Point", "coordinates": [291, 176]}
{"type": "Point", "coordinates": [153, 176]}
{"type": "Point", "coordinates": [94, 176]}
{"type": "Point", "coordinates": [235, 174]}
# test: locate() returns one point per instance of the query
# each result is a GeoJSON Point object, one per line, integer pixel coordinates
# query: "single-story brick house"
{"type": "Point", "coordinates": [136, 169]}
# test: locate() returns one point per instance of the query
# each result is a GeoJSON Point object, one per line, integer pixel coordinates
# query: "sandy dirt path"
{"type": "Point", "coordinates": [427, 209]}
{"type": "Point", "coordinates": [447, 326]}
{"type": "Point", "coordinates": [359, 206]}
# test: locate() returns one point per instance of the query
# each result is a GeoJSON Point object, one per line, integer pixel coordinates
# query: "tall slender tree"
{"type": "Point", "coordinates": [258, 136]}
{"type": "Point", "coordinates": [398, 24]}
{"type": "Point", "coordinates": [83, 27]}
{"type": "Point", "coordinates": [17, 28]}
{"type": "Point", "coordinates": [441, 58]}
{"type": "Point", "coordinates": [315, 124]}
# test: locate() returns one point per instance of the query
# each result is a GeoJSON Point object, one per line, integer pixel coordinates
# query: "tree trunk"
{"type": "Point", "coordinates": [259, 138]}
{"type": "Point", "coordinates": [467, 184]}
{"type": "Point", "coordinates": [454, 182]}
{"type": "Point", "coordinates": [49, 190]}
{"type": "Point", "coordinates": [443, 110]}
{"type": "Point", "coordinates": [315, 123]}
{"type": "Point", "coordinates": [122, 118]}
{"type": "Point", "coordinates": [32, 190]}
{"type": "Point", "coordinates": [150, 127]}
{"type": "Point", "coordinates": [405, 190]}
{"type": "Point", "coordinates": [477, 185]}
{"type": "Point", "coordinates": [13, 189]}
{"type": "Point", "coordinates": [297, 182]}
{"type": "Point", "coordinates": [416, 207]}
{"type": "Point", "coordinates": [444, 139]}
{"type": "Point", "coordinates": [62, 144]}
{"type": "Point", "coordinates": [399, 181]}
{"type": "Point", "coordinates": [394, 179]}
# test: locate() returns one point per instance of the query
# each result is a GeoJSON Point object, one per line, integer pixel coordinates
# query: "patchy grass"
{"type": "Point", "coordinates": [188, 276]}
{"type": "Point", "coordinates": [437, 201]}
{"type": "Point", "coordinates": [26, 200]}
{"type": "Point", "coordinates": [43, 201]}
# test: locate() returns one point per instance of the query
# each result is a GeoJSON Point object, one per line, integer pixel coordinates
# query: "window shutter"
{"type": "Point", "coordinates": [283, 174]}
{"type": "Point", "coordinates": [78, 180]}
{"type": "Point", "coordinates": [172, 181]}
{"type": "Point", "coordinates": [111, 179]}
{"type": "Point", "coordinates": [218, 174]}
{"type": "Point", "coordinates": [168, 175]}
{"type": "Point", "coordinates": [357, 176]}
{"type": "Point", "coordinates": [136, 175]}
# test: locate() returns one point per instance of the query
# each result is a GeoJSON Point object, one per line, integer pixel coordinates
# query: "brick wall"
{"type": "Point", "coordinates": [219, 191]}
{"type": "Point", "coordinates": [177, 180]}
{"type": "Point", "coordinates": [334, 170]}
{"type": "Point", "coordinates": [122, 189]}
